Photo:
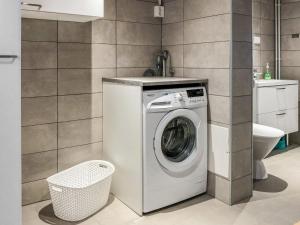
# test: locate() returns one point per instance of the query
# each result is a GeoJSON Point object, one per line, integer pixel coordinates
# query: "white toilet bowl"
{"type": "Point", "coordinates": [264, 140]}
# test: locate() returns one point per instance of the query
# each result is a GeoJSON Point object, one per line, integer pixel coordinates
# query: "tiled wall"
{"type": "Point", "coordinates": [212, 39]}
{"type": "Point", "coordinates": [263, 23]}
{"type": "Point", "coordinates": [62, 68]}
{"type": "Point", "coordinates": [290, 47]}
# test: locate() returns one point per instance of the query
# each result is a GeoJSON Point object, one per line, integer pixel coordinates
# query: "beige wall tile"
{"type": "Point", "coordinates": [104, 31]}
{"type": "Point", "coordinates": [69, 157]}
{"type": "Point", "coordinates": [219, 109]}
{"type": "Point", "coordinates": [207, 55]}
{"type": "Point", "coordinates": [74, 32]}
{"type": "Point", "coordinates": [241, 164]}
{"type": "Point", "coordinates": [267, 27]}
{"type": "Point", "coordinates": [39, 30]}
{"type": "Point", "coordinates": [290, 10]}
{"type": "Point", "coordinates": [39, 82]}
{"type": "Point", "coordinates": [82, 81]}
{"type": "Point", "coordinates": [207, 29]}
{"type": "Point", "coordinates": [241, 82]}
{"type": "Point", "coordinates": [35, 191]}
{"type": "Point", "coordinates": [241, 109]}
{"type": "Point", "coordinates": [138, 33]}
{"type": "Point", "coordinates": [79, 132]}
{"type": "Point", "coordinates": [74, 55]}
{"type": "Point", "coordinates": [242, 7]}
{"type": "Point", "coordinates": [218, 187]}
{"type": "Point", "coordinates": [110, 9]}
{"type": "Point", "coordinates": [136, 56]}
{"type": "Point", "coordinates": [38, 166]}
{"type": "Point", "coordinates": [241, 189]}
{"type": "Point", "coordinates": [241, 136]}
{"type": "Point", "coordinates": [218, 79]}
{"type": "Point", "coordinates": [136, 11]}
{"type": "Point", "coordinates": [172, 34]}
{"type": "Point", "coordinates": [83, 106]}
{"type": "Point", "coordinates": [202, 8]}
{"type": "Point", "coordinates": [241, 55]}
{"type": "Point", "coordinates": [103, 56]}
{"type": "Point", "coordinates": [173, 11]}
{"type": "Point", "coordinates": [39, 55]}
{"type": "Point", "coordinates": [39, 110]}
{"type": "Point", "coordinates": [290, 58]}
{"type": "Point", "coordinates": [241, 27]}
{"type": "Point", "coordinates": [39, 138]}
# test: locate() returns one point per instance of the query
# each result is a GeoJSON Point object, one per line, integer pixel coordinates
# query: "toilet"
{"type": "Point", "coordinates": [264, 140]}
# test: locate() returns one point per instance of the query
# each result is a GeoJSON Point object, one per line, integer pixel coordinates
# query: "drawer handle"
{"type": "Point", "coordinates": [281, 114]}
{"type": "Point", "coordinates": [39, 6]}
{"type": "Point", "coordinates": [8, 56]}
{"type": "Point", "coordinates": [281, 88]}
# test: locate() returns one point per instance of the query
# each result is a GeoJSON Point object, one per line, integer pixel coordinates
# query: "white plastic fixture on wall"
{"type": "Point", "coordinates": [67, 10]}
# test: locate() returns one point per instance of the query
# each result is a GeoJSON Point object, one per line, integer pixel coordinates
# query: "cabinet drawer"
{"type": "Point", "coordinates": [286, 120]}
{"type": "Point", "coordinates": [277, 98]}
{"type": "Point", "coordinates": [63, 9]}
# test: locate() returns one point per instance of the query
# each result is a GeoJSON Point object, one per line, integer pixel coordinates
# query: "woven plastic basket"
{"type": "Point", "coordinates": [82, 190]}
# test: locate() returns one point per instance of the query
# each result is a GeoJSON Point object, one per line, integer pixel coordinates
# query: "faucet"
{"type": "Point", "coordinates": [161, 64]}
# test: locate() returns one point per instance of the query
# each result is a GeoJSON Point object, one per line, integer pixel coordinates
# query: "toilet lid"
{"type": "Point", "coordinates": [265, 131]}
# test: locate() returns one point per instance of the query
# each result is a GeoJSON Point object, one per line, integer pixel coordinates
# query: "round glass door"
{"type": "Point", "coordinates": [178, 139]}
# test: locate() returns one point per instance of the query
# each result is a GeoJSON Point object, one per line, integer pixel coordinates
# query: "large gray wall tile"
{"type": "Point", "coordinates": [219, 187]}
{"type": "Point", "coordinates": [173, 11]}
{"type": "Point", "coordinates": [103, 56]}
{"type": "Point", "coordinates": [136, 56]}
{"type": "Point", "coordinates": [39, 138]}
{"type": "Point", "coordinates": [207, 55]}
{"type": "Point", "coordinates": [172, 34]}
{"type": "Point", "coordinates": [74, 55]}
{"type": "Point", "coordinates": [202, 8]}
{"type": "Point", "coordinates": [39, 82]}
{"type": "Point", "coordinates": [138, 33]}
{"type": "Point", "coordinates": [38, 166]}
{"type": "Point", "coordinates": [35, 191]}
{"type": "Point", "coordinates": [241, 189]}
{"type": "Point", "coordinates": [218, 79]}
{"type": "Point", "coordinates": [241, 109]}
{"type": "Point", "coordinates": [219, 109]}
{"type": "Point", "coordinates": [39, 110]}
{"type": "Point", "coordinates": [69, 157]}
{"type": "Point", "coordinates": [79, 132]}
{"type": "Point", "coordinates": [39, 30]}
{"type": "Point", "coordinates": [75, 107]}
{"type": "Point", "coordinates": [74, 32]}
{"type": "Point", "coordinates": [241, 163]}
{"type": "Point", "coordinates": [136, 11]}
{"type": "Point", "coordinates": [104, 31]}
{"type": "Point", "coordinates": [241, 136]}
{"type": "Point", "coordinates": [39, 55]}
{"type": "Point", "coordinates": [207, 29]}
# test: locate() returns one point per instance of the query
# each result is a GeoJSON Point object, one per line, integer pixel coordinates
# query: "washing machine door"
{"type": "Point", "coordinates": [177, 143]}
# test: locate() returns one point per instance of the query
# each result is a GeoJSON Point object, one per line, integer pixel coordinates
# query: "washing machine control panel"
{"type": "Point", "coordinates": [183, 98]}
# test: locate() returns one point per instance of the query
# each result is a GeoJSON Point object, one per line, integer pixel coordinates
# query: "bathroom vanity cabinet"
{"type": "Point", "coordinates": [67, 10]}
{"type": "Point", "coordinates": [276, 104]}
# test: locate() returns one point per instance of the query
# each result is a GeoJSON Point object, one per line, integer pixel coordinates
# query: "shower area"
{"type": "Point", "coordinates": [276, 41]}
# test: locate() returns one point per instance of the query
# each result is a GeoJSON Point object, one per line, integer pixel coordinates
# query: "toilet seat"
{"type": "Point", "coordinates": [266, 132]}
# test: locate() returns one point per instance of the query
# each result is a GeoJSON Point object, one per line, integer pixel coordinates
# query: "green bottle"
{"type": "Point", "coordinates": [267, 74]}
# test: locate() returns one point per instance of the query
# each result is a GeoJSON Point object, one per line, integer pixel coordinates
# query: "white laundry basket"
{"type": "Point", "coordinates": [82, 190]}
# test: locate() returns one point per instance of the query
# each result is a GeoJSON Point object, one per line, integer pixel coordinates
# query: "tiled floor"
{"type": "Point", "coordinates": [276, 201]}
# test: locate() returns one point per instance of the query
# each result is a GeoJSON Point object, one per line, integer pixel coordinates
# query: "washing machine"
{"type": "Point", "coordinates": [174, 145]}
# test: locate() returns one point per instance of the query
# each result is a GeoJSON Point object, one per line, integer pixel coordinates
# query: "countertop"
{"type": "Point", "coordinates": [267, 83]}
{"type": "Point", "coordinates": [153, 81]}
